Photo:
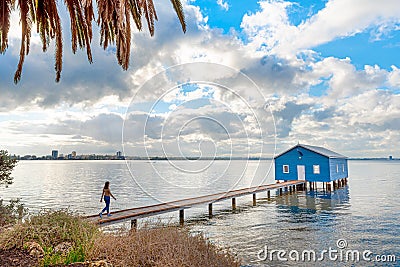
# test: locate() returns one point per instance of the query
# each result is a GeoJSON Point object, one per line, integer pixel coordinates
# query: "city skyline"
{"type": "Point", "coordinates": [119, 155]}
{"type": "Point", "coordinates": [319, 79]}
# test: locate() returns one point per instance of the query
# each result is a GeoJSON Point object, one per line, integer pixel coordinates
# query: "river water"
{"type": "Point", "coordinates": [363, 217]}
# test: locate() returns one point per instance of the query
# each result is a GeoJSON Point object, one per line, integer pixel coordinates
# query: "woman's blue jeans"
{"type": "Point", "coordinates": [107, 200]}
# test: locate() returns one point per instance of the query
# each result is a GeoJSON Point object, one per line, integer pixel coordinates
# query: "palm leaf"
{"type": "Point", "coordinates": [179, 12]}
{"type": "Point", "coordinates": [49, 27]}
{"type": "Point", "coordinates": [113, 19]}
{"type": "Point", "coordinates": [123, 33]}
{"type": "Point", "coordinates": [5, 12]}
{"type": "Point", "coordinates": [79, 27]}
{"type": "Point", "coordinates": [25, 9]}
{"type": "Point", "coordinates": [89, 16]}
{"type": "Point", "coordinates": [136, 13]}
{"type": "Point", "coordinates": [150, 14]}
{"type": "Point", "coordinates": [125, 37]}
{"type": "Point", "coordinates": [107, 21]}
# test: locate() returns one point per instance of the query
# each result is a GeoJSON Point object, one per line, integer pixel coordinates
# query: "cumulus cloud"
{"type": "Point", "coordinates": [356, 107]}
{"type": "Point", "coordinates": [202, 121]}
{"type": "Point", "coordinates": [271, 30]}
{"type": "Point", "coordinates": [223, 5]}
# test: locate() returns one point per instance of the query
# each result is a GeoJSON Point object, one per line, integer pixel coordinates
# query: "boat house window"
{"type": "Point", "coordinates": [316, 169]}
{"type": "Point", "coordinates": [337, 167]}
{"type": "Point", "coordinates": [343, 167]}
{"type": "Point", "coordinates": [285, 168]}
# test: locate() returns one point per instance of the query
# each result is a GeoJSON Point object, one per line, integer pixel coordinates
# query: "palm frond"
{"type": "Point", "coordinates": [5, 13]}
{"type": "Point", "coordinates": [79, 27]}
{"type": "Point", "coordinates": [113, 19]}
{"type": "Point", "coordinates": [107, 21]}
{"type": "Point", "coordinates": [59, 52]}
{"type": "Point", "coordinates": [127, 45]}
{"type": "Point", "coordinates": [136, 13]}
{"type": "Point", "coordinates": [123, 33]}
{"type": "Point", "coordinates": [25, 9]}
{"type": "Point", "coordinates": [179, 12]}
{"type": "Point", "coordinates": [150, 14]}
{"type": "Point", "coordinates": [89, 16]}
{"type": "Point", "coordinates": [49, 27]}
{"type": "Point", "coordinates": [114, 22]}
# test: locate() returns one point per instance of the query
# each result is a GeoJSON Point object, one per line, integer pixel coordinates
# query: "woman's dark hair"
{"type": "Point", "coordinates": [106, 185]}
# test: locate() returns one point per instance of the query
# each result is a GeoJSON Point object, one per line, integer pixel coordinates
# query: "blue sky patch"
{"type": "Point", "coordinates": [300, 11]}
{"type": "Point", "coordinates": [320, 88]}
{"type": "Point", "coordinates": [225, 20]}
{"type": "Point", "coordinates": [363, 51]}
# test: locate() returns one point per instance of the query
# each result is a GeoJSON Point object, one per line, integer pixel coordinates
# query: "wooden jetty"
{"type": "Point", "coordinates": [180, 205]}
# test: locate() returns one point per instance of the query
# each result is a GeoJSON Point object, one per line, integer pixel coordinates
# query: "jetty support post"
{"type": "Point", "coordinates": [210, 213]}
{"type": "Point", "coordinates": [268, 194]}
{"type": "Point", "coordinates": [181, 217]}
{"type": "Point", "coordinates": [134, 224]}
{"type": "Point", "coordinates": [233, 203]}
{"type": "Point", "coordinates": [254, 199]}
{"type": "Point", "coordinates": [300, 187]}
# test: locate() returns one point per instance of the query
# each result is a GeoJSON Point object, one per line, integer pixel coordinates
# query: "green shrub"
{"type": "Point", "coordinates": [11, 213]}
{"type": "Point", "coordinates": [7, 164]}
{"type": "Point", "coordinates": [164, 245]}
{"type": "Point", "coordinates": [50, 228]}
{"type": "Point", "coordinates": [76, 255]}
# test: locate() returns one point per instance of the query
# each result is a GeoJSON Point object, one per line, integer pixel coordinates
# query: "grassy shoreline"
{"type": "Point", "coordinates": [65, 238]}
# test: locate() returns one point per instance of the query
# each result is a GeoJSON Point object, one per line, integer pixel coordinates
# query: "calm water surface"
{"type": "Point", "coordinates": [365, 213]}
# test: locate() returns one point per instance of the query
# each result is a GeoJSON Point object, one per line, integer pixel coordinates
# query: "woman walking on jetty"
{"type": "Point", "coordinates": [107, 196]}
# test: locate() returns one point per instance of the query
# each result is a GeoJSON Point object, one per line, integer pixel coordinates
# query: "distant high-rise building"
{"type": "Point", "coordinates": [54, 154]}
{"type": "Point", "coordinates": [390, 157]}
{"type": "Point", "coordinates": [73, 154]}
{"type": "Point", "coordinates": [119, 154]}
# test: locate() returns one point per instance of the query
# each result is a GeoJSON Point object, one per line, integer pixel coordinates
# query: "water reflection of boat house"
{"type": "Point", "coordinates": [316, 200]}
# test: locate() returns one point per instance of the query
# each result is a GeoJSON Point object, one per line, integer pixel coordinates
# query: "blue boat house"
{"type": "Point", "coordinates": [312, 164]}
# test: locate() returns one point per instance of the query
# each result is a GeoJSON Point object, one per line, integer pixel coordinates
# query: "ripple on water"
{"type": "Point", "coordinates": [366, 212]}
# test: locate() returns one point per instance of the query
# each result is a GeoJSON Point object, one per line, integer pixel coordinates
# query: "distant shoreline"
{"type": "Point", "coordinates": [180, 158]}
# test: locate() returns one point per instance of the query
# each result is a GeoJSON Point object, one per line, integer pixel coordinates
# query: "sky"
{"type": "Point", "coordinates": [246, 79]}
